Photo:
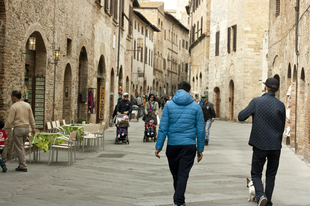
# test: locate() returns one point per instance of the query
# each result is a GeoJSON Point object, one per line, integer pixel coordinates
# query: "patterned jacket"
{"type": "Point", "coordinates": [268, 121]}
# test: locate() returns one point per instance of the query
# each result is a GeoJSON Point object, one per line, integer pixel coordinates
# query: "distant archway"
{"type": "Point", "coordinates": [277, 94]}
{"type": "Point", "coordinates": [83, 76]}
{"type": "Point", "coordinates": [101, 84]}
{"type": "Point", "coordinates": [217, 95]}
{"type": "Point", "coordinates": [112, 93]}
{"type": "Point", "coordinates": [232, 99]}
{"type": "Point", "coordinates": [67, 107]}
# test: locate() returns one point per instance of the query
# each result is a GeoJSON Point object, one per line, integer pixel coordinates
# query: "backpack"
{"type": "Point", "coordinates": [139, 101]}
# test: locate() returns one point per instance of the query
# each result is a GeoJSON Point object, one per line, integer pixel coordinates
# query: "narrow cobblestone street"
{"type": "Point", "coordinates": [131, 175]}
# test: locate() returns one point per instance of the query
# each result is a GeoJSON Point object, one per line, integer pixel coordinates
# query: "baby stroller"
{"type": "Point", "coordinates": [146, 135]}
{"type": "Point", "coordinates": [135, 112]}
{"type": "Point", "coordinates": [122, 138]}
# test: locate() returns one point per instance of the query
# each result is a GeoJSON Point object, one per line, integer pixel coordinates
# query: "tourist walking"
{"type": "Point", "coordinates": [268, 122]}
{"type": "Point", "coordinates": [209, 115]}
{"type": "Point", "coordinates": [20, 118]}
{"type": "Point", "coordinates": [182, 121]}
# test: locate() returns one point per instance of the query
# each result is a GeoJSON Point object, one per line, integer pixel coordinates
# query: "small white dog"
{"type": "Point", "coordinates": [250, 185]}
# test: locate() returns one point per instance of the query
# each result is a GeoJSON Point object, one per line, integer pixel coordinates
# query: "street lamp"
{"type": "Point", "coordinates": [32, 43]}
{"type": "Point", "coordinates": [57, 55]}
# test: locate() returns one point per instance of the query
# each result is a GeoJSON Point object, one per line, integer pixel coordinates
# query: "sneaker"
{"type": "Point", "coordinates": [206, 142]}
{"type": "Point", "coordinates": [148, 134]}
{"type": "Point", "coordinates": [20, 169]}
{"type": "Point", "coordinates": [123, 134]}
{"type": "Point", "coordinates": [4, 169]}
{"type": "Point", "coordinates": [152, 133]}
{"type": "Point", "coordinates": [119, 136]}
{"type": "Point", "coordinates": [262, 201]}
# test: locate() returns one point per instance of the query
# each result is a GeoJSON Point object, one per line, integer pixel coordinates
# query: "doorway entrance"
{"type": "Point", "coordinates": [217, 101]}
{"type": "Point", "coordinates": [232, 99]}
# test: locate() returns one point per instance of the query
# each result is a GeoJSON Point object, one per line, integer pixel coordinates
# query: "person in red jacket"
{"type": "Point", "coordinates": [150, 126]}
{"type": "Point", "coordinates": [3, 137]}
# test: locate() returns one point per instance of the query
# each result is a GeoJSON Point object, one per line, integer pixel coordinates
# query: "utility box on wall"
{"type": "Point", "coordinates": [82, 97]}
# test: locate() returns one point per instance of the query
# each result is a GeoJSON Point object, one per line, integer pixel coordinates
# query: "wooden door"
{"type": "Point", "coordinates": [100, 101]}
{"type": "Point", "coordinates": [232, 103]}
{"type": "Point", "coordinates": [218, 100]}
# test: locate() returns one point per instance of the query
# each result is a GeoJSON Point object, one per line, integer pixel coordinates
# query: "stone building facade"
{"type": "Point", "coordinates": [288, 61]}
{"type": "Point", "coordinates": [169, 54]}
{"type": "Point", "coordinates": [85, 33]}
{"type": "Point", "coordinates": [199, 46]}
{"type": "Point", "coordinates": [235, 67]}
{"type": "Point", "coordinates": [142, 72]}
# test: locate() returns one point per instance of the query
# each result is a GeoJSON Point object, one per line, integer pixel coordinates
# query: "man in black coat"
{"type": "Point", "coordinates": [208, 114]}
{"type": "Point", "coordinates": [124, 106]}
{"type": "Point", "coordinates": [268, 117]}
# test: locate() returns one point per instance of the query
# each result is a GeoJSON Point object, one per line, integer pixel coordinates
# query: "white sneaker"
{"type": "Point", "coordinates": [152, 133]}
{"type": "Point", "coordinates": [148, 134]}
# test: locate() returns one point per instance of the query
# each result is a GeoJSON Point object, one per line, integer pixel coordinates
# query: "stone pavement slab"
{"type": "Point", "coordinates": [131, 175]}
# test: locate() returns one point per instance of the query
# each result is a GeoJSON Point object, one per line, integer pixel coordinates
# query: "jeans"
{"type": "Point", "coordinates": [122, 130]}
{"type": "Point", "coordinates": [181, 159]}
{"type": "Point", "coordinates": [258, 160]}
{"type": "Point", "coordinates": [207, 128]}
{"type": "Point", "coordinates": [2, 164]}
{"type": "Point", "coordinates": [139, 111]}
{"type": "Point", "coordinates": [150, 130]}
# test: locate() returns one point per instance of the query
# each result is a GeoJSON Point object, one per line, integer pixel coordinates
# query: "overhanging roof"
{"type": "Point", "coordinates": [150, 4]}
{"type": "Point", "coordinates": [177, 21]}
{"type": "Point", "coordinates": [143, 18]}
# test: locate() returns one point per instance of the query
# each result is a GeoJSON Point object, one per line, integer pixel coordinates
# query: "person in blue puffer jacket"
{"type": "Point", "coordinates": [183, 122]}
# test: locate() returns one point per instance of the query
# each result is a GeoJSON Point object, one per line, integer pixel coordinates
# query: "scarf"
{"type": "Point", "coordinates": [151, 105]}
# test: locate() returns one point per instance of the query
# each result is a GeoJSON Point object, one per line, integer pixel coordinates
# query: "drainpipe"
{"type": "Point", "coordinates": [119, 35]}
{"type": "Point", "coordinates": [54, 47]}
{"type": "Point", "coordinates": [297, 55]}
{"type": "Point", "coordinates": [144, 50]}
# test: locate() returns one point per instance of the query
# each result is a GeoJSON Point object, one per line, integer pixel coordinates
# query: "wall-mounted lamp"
{"type": "Point", "coordinates": [57, 55]}
{"type": "Point", "coordinates": [32, 43]}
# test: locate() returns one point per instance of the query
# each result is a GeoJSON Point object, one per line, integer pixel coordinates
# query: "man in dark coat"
{"type": "Point", "coordinates": [268, 117]}
{"type": "Point", "coordinates": [208, 114]}
{"type": "Point", "coordinates": [124, 106]}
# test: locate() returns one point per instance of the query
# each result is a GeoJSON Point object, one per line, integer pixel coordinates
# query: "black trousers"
{"type": "Point", "coordinates": [181, 159]}
{"type": "Point", "coordinates": [258, 160]}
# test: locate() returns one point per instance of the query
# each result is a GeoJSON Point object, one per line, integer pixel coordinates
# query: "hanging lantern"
{"type": "Point", "coordinates": [57, 55]}
{"type": "Point", "coordinates": [32, 43]}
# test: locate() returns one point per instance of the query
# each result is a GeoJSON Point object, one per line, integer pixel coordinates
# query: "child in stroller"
{"type": "Point", "coordinates": [150, 129]}
{"type": "Point", "coordinates": [122, 124]}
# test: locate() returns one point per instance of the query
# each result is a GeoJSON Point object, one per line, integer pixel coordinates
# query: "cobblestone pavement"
{"type": "Point", "coordinates": [131, 175]}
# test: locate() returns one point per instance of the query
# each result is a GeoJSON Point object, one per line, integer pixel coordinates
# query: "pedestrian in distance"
{"type": "Point", "coordinates": [151, 108]}
{"type": "Point", "coordinates": [268, 122]}
{"type": "Point", "coordinates": [182, 121]}
{"type": "Point", "coordinates": [139, 103]}
{"type": "Point", "coordinates": [3, 137]}
{"type": "Point", "coordinates": [20, 118]}
{"type": "Point", "coordinates": [208, 114]}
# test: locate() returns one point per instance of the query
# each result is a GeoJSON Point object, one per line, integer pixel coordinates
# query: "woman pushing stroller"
{"type": "Point", "coordinates": [151, 108]}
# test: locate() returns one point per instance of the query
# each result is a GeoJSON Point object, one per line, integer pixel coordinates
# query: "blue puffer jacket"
{"type": "Point", "coordinates": [182, 120]}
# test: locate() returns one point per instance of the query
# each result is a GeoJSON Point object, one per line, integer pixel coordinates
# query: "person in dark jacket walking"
{"type": "Point", "coordinates": [209, 115]}
{"type": "Point", "coordinates": [124, 106]}
{"type": "Point", "coordinates": [182, 121]}
{"type": "Point", "coordinates": [268, 123]}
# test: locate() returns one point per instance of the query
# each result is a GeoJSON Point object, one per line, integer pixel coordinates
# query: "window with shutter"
{"type": "Point", "coordinates": [141, 55]}
{"type": "Point", "coordinates": [228, 39]}
{"type": "Point", "coordinates": [130, 22]}
{"type": "Point", "coordinates": [201, 26]}
{"type": "Point", "coordinates": [111, 7]}
{"type": "Point", "coordinates": [277, 8]}
{"type": "Point", "coordinates": [235, 38]}
{"type": "Point", "coordinates": [115, 10]}
{"type": "Point", "coordinates": [217, 44]}
{"type": "Point", "coordinates": [197, 29]}
{"type": "Point", "coordinates": [106, 5]}
{"type": "Point", "coordinates": [134, 49]}
{"type": "Point", "coordinates": [138, 53]}
{"type": "Point", "coordinates": [122, 13]}
{"type": "Point", "coordinates": [180, 45]}
{"type": "Point", "coordinates": [194, 33]}
{"type": "Point", "coordinates": [145, 55]}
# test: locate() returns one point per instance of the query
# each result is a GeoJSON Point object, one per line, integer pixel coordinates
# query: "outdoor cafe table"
{"type": "Point", "coordinates": [43, 140]}
{"type": "Point", "coordinates": [70, 128]}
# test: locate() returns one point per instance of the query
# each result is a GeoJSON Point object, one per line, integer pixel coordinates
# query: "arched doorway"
{"type": "Point", "coordinates": [120, 82]}
{"type": "Point", "coordinates": [112, 94]}
{"type": "Point", "coordinates": [301, 119]}
{"type": "Point", "coordinates": [35, 74]}
{"type": "Point", "coordinates": [67, 107]}
{"type": "Point", "coordinates": [217, 101]}
{"type": "Point", "coordinates": [127, 85]}
{"type": "Point", "coordinates": [232, 99]}
{"type": "Point", "coordinates": [101, 81]}
{"type": "Point", "coordinates": [144, 87]}
{"type": "Point", "coordinates": [83, 76]}
{"type": "Point", "coordinates": [277, 94]}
